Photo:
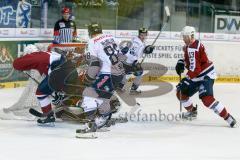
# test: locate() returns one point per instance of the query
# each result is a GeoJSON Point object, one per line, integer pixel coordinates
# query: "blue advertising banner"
{"type": "Point", "coordinates": [15, 14]}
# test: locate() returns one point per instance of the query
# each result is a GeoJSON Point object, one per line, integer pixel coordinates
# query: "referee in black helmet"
{"type": "Point", "coordinates": [65, 29]}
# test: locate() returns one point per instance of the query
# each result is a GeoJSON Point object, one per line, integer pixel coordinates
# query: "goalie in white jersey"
{"type": "Point", "coordinates": [134, 52]}
{"type": "Point", "coordinates": [102, 57]}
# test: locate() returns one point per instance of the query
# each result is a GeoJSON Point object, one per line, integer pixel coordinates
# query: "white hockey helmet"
{"type": "Point", "coordinates": [188, 31]}
{"type": "Point", "coordinates": [30, 49]}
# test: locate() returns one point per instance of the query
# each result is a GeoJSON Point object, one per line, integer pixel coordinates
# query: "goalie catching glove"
{"type": "Point", "coordinates": [148, 49]}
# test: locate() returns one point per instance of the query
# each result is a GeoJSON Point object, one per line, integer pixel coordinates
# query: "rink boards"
{"type": "Point", "coordinates": [222, 49]}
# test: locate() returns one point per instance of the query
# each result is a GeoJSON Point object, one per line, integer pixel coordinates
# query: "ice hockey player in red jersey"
{"type": "Point", "coordinates": [200, 78]}
{"type": "Point", "coordinates": [44, 63]}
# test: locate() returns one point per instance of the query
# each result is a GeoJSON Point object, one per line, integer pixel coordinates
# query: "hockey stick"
{"type": "Point", "coordinates": [35, 81]}
{"type": "Point", "coordinates": [180, 96]}
{"type": "Point", "coordinates": [167, 11]}
{"type": "Point", "coordinates": [31, 77]}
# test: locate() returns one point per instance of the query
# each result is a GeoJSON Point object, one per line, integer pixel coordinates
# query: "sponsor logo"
{"type": "Point", "coordinates": [4, 32]}
{"type": "Point", "coordinates": [7, 15]}
{"type": "Point", "coordinates": [6, 61]}
{"type": "Point", "coordinates": [224, 23]}
{"type": "Point", "coordinates": [23, 15]}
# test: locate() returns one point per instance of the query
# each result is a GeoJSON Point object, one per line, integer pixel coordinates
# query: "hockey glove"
{"type": "Point", "coordinates": [180, 66]}
{"type": "Point", "coordinates": [125, 50]}
{"type": "Point", "coordinates": [55, 42]}
{"type": "Point", "coordinates": [148, 49]}
{"type": "Point", "coordinates": [185, 85]}
{"type": "Point", "coordinates": [58, 98]}
{"type": "Point", "coordinates": [137, 68]}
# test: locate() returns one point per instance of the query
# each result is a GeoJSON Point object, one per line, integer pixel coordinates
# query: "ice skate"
{"type": "Point", "coordinates": [190, 115]}
{"type": "Point", "coordinates": [231, 121]}
{"type": "Point", "coordinates": [49, 119]}
{"type": "Point", "coordinates": [89, 132]}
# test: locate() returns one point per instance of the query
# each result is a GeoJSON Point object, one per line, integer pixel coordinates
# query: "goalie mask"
{"type": "Point", "coordinates": [94, 28]}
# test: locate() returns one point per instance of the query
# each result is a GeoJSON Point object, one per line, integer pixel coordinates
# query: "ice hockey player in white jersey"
{"type": "Point", "coordinates": [134, 54]}
{"type": "Point", "coordinates": [102, 55]}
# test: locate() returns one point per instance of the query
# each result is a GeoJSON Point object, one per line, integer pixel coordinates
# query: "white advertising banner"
{"type": "Point", "coordinates": [27, 32]}
{"type": "Point", "coordinates": [48, 32]}
{"type": "Point", "coordinates": [227, 24]}
{"type": "Point", "coordinates": [7, 32]}
{"type": "Point", "coordinates": [223, 54]}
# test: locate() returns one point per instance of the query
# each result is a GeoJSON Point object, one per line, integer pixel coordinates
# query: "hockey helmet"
{"type": "Point", "coordinates": [188, 31]}
{"type": "Point", "coordinates": [66, 10]}
{"type": "Point", "coordinates": [142, 30]}
{"type": "Point", "coordinates": [30, 49]}
{"type": "Point", "coordinates": [94, 28]}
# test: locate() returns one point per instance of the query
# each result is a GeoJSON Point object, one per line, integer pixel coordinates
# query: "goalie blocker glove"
{"type": "Point", "coordinates": [180, 66]}
{"type": "Point", "coordinates": [148, 49]}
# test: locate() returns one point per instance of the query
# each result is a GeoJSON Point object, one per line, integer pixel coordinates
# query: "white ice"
{"type": "Point", "coordinates": [208, 137]}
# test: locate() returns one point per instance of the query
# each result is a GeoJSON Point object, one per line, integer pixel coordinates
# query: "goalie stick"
{"type": "Point", "coordinates": [74, 117]}
{"type": "Point", "coordinates": [167, 11]}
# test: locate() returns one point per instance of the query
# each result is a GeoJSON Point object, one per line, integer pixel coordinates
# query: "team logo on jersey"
{"type": "Point", "coordinates": [6, 61]}
{"type": "Point", "coordinates": [61, 25]}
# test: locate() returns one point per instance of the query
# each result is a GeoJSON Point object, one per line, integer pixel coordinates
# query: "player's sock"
{"type": "Point", "coordinates": [219, 109]}
{"type": "Point", "coordinates": [46, 109]}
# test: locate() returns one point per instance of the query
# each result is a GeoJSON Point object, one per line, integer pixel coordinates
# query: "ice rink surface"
{"type": "Point", "coordinates": [208, 137]}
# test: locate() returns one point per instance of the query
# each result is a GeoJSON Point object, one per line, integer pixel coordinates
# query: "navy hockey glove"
{"type": "Point", "coordinates": [125, 50]}
{"type": "Point", "coordinates": [185, 85]}
{"type": "Point", "coordinates": [180, 66]}
{"type": "Point", "coordinates": [55, 42]}
{"type": "Point", "coordinates": [148, 49]}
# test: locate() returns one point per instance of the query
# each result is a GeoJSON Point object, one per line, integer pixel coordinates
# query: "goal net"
{"type": "Point", "coordinates": [27, 100]}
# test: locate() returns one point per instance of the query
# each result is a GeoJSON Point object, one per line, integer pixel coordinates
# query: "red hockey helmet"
{"type": "Point", "coordinates": [65, 10]}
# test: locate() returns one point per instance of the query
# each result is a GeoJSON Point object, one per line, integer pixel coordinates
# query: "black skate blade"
{"type": "Point", "coordinates": [90, 135]}
{"type": "Point", "coordinates": [120, 120]}
{"type": "Point", "coordinates": [103, 129]}
{"type": "Point", "coordinates": [50, 124]}
{"type": "Point", "coordinates": [188, 118]}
